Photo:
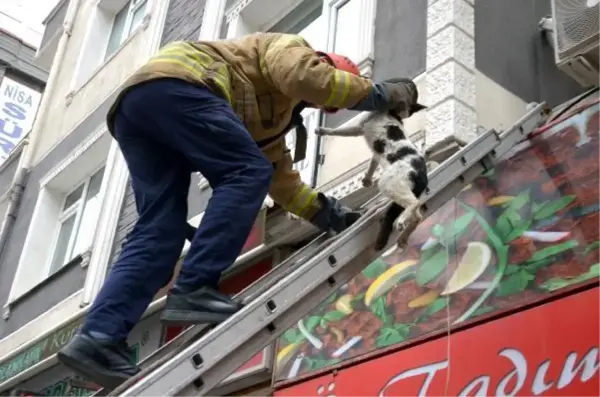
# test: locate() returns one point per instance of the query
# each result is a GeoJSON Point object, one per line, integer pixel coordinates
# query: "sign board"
{"type": "Point", "coordinates": [549, 350]}
{"type": "Point", "coordinates": [523, 230]}
{"type": "Point", "coordinates": [18, 107]}
{"type": "Point", "coordinates": [59, 381]}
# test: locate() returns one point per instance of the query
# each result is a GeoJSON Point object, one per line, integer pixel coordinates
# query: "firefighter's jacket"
{"type": "Point", "coordinates": [263, 76]}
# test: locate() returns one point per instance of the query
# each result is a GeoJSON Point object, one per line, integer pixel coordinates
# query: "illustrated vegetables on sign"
{"type": "Point", "coordinates": [514, 217]}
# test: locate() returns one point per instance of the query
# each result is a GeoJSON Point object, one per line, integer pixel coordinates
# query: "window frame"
{"type": "Point", "coordinates": [97, 36]}
{"type": "Point", "coordinates": [77, 208]}
{"type": "Point", "coordinates": [77, 168]}
{"type": "Point", "coordinates": [132, 6]}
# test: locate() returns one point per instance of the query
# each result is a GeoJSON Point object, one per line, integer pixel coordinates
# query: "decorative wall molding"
{"type": "Point", "coordinates": [234, 11]}
{"type": "Point", "coordinates": [450, 70]}
{"type": "Point", "coordinates": [74, 155]}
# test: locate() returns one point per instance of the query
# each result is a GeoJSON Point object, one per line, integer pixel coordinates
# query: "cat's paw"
{"type": "Point", "coordinates": [431, 165]}
{"type": "Point", "coordinates": [399, 224]}
{"type": "Point", "coordinates": [407, 223]}
{"type": "Point", "coordinates": [322, 131]}
{"type": "Point", "coordinates": [367, 182]}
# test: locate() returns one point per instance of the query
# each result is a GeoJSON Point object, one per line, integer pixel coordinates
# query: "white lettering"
{"type": "Point", "coordinates": [539, 381]}
{"type": "Point", "coordinates": [520, 363]}
{"type": "Point", "coordinates": [482, 383]}
{"type": "Point", "coordinates": [429, 369]}
{"type": "Point", "coordinates": [589, 363]}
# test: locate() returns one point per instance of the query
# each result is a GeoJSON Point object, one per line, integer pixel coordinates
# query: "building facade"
{"type": "Point", "coordinates": [77, 206]}
{"type": "Point", "coordinates": [67, 180]}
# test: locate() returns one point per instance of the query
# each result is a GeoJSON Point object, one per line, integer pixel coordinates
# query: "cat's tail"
{"type": "Point", "coordinates": [387, 225]}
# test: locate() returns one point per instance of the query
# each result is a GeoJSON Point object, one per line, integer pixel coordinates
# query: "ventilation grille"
{"type": "Point", "coordinates": [576, 23]}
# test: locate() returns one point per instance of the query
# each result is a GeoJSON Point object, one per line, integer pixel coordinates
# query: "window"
{"type": "Point", "coordinates": [111, 24]}
{"type": "Point", "coordinates": [124, 23]}
{"type": "Point", "coordinates": [77, 221]}
{"type": "Point", "coordinates": [66, 214]}
{"type": "Point", "coordinates": [346, 20]}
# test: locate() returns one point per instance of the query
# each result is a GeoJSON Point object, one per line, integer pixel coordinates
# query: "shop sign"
{"type": "Point", "coordinates": [18, 107]}
{"type": "Point", "coordinates": [549, 350]}
{"type": "Point", "coordinates": [45, 348]}
{"type": "Point", "coordinates": [524, 230]}
{"type": "Point", "coordinates": [144, 339]}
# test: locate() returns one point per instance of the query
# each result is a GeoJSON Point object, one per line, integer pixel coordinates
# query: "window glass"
{"type": "Point", "coordinates": [314, 33]}
{"type": "Point", "coordinates": [73, 197]}
{"type": "Point", "coordinates": [62, 243]}
{"type": "Point", "coordinates": [89, 216]}
{"type": "Point", "coordinates": [347, 22]}
{"type": "Point", "coordinates": [137, 16]}
{"type": "Point", "coordinates": [116, 33]}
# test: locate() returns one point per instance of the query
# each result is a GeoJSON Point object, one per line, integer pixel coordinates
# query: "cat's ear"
{"type": "Point", "coordinates": [417, 107]}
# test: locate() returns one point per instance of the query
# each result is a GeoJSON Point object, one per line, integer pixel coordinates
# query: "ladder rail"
{"type": "Point", "coordinates": [204, 364]}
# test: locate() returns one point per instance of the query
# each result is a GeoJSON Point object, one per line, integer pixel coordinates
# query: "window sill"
{"type": "Point", "coordinates": [82, 260]}
{"type": "Point", "coordinates": [73, 93]}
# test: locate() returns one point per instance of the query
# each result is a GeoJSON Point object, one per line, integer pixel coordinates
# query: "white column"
{"type": "Point", "coordinates": [450, 74]}
{"type": "Point", "coordinates": [212, 20]}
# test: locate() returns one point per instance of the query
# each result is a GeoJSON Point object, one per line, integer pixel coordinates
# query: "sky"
{"type": "Point", "coordinates": [23, 18]}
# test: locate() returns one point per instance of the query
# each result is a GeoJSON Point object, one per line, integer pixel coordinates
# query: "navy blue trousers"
{"type": "Point", "coordinates": [166, 130]}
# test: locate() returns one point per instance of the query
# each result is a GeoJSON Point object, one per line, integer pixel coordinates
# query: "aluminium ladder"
{"type": "Point", "coordinates": [200, 358]}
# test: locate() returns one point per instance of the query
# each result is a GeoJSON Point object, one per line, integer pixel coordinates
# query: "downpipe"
{"type": "Point", "coordinates": [10, 217]}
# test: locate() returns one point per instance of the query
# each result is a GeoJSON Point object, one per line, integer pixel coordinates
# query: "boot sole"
{"type": "Point", "coordinates": [90, 370]}
{"type": "Point", "coordinates": [185, 317]}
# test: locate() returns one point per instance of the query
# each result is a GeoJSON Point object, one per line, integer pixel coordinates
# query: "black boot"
{"type": "Point", "coordinates": [203, 306]}
{"type": "Point", "coordinates": [333, 216]}
{"type": "Point", "coordinates": [106, 363]}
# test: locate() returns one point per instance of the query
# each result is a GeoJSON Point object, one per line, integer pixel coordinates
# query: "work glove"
{"type": "Point", "coordinates": [393, 94]}
{"type": "Point", "coordinates": [333, 216]}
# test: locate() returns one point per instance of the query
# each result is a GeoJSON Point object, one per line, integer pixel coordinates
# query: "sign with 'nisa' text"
{"type": "Point", "coordinates": [18, 106]}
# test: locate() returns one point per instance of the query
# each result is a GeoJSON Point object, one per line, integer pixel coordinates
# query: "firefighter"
{"type": "Point", "coordinates": [221, 108]}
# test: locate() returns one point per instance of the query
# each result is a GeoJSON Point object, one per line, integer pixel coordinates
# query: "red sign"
{"type": "Point", "coordinates": [550, 350]}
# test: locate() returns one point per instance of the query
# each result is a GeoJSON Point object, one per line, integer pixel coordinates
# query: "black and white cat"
{"type": "Point", "coordinates": [404, 167]}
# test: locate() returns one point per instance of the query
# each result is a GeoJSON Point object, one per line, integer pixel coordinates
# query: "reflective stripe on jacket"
{"type": "Point", "coordinates": [290, 192]}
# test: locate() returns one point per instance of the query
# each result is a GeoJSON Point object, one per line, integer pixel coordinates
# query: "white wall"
{"type": "Point", "coordinates": [497, 107]}
{"type": "Point", "coordinates": [73, 100]}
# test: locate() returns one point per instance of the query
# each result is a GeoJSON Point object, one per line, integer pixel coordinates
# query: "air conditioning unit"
{"type": "Point", "coordinates": [576, 39]}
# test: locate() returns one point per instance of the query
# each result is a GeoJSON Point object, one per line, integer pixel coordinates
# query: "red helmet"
{"type": "Point", "coordinates": [339, 62]}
